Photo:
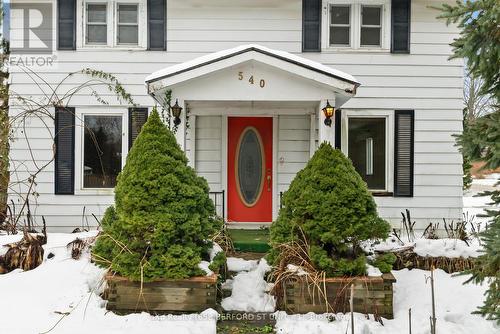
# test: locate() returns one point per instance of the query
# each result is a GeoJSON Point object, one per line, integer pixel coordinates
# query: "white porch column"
{"type": "Point", "coordinates": [326, 133]}
{"type": "Point", "coordinates": [191, 132]}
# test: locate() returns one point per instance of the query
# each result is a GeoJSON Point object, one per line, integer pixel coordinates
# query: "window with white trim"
{"type": "Point", "coordinates": [357, 24]}
{"type": "Point", "coordinates": [368, 140]}
{"type": "Point", "coordinates": [367, 149]}
{"type": "Point", "coordinates": [340, 25]}
{"type": "Point", "coordinates": [118, 24]}
{"type": "Point", "coordinates": [102, 150]}
{"type": "Point", "coordinates": [371, 26]}
{"type": "Point", "coordinates": [128, 24]}
{"type": "Point", "coordinates": [97, 24]}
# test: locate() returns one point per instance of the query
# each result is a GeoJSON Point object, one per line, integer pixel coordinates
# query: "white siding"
{"type": "Point", "coordinates": [208, 156]}
{"type": "Point", "coordinates": [425, 81]}
{"type": "Point", "coordinates": [293, 147]}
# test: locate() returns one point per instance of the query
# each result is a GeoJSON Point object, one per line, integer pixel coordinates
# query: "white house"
{"type": "Point", "coordinates": [252, 77]}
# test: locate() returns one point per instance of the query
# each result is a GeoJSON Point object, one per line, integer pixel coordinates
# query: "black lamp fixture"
{"type": "Point", "coordinates": [176, 110]}
{"type": "Point", "coordinates": [329, 111]}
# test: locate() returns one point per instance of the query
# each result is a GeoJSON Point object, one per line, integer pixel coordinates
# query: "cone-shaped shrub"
{"type": "Point", "coordinates": [163, 216]}
{"type": "Point", "coordinates": [328, 204]}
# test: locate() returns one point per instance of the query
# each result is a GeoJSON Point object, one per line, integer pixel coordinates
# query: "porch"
{"type": "Point", "coordinates": [292, 138]}
{"type": "Point", "coordinates": [252, 117]}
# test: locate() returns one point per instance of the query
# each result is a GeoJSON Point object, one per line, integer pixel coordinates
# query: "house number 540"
{"type": "Point", "coordinates": [252, 80]}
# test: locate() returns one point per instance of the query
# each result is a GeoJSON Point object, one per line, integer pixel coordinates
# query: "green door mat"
{"type": "Point", "coordinates": [250, 240]}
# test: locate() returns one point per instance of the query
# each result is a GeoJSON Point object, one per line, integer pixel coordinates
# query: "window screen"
{"type": "Point", "coordinates": [102, 158]}
{"type": "Point", "coordinates": [97, 27]}
{"type": "Point", "coordinates": [371, 25]}
{"type": "Point", "coordinates": [367, 150]}
{"type": "Point", "coordinates": [340, 25]}
{"type": "Point", "coordinates": [128, 26]}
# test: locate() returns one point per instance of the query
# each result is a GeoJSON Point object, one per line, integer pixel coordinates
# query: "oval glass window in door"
{"type": "Point", "coordinates": [249, 165]}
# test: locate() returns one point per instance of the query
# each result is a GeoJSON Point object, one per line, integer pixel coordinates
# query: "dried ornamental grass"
{"type": "Point", "coordinates": [406, 258]}
{"type": "Point", "coordinates": [26, 254]}
{"type": "Point", "coordinates": [296, 254]}
{"type": "Point", "coordinates": [79, 246]}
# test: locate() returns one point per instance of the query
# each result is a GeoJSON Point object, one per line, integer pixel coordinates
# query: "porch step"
{"type": "Point", "coordinates": [256, 241]}
{"type": "Point", "coordinates": [246, 255]}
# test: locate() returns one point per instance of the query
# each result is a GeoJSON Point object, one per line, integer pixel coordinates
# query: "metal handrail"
{"type": "Point", "coordinates": [221, 195]}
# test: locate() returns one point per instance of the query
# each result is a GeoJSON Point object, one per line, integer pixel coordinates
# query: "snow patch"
{"type": "Point", "coordinates": [212, 253]}
{"type": "Point", "coordinates": [249, 293]}
{"type": "Point", "coordinates": [451, 248]}
{"type": "Point", "coordinates": [296, 269]}
{"type": "Point", "coordinates": [373, 271]}
{"type": "Point", "coordinates": [474, 206]}
{"type": "Point", "coordinates": [216, 249]}
{"type": "Point", "coordinates": [238, 264]}
{"type": "Point", "coordinates": [488, 180]}
{"type": "Point", "coordinates": [203, 265]}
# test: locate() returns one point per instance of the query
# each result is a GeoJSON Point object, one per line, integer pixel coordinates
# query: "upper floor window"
{"type": "Point", "coordinates": [340, 25]}
{"type": "Point", "coordinates": [371, 26]}
{"type": "Point", "coordinates": [358, 24]}
{"type": "Point", "coordinates": [128, 24]}
{"type": "Point", "coordinates": [97, 26]}
{"type": "Point", "coordinates": [119, 23]}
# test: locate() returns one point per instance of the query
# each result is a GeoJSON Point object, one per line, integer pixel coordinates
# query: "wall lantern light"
{"type": "Point", "coordinates": [329, 111]}
{"type": "Point", "coordinates": [176, 112]}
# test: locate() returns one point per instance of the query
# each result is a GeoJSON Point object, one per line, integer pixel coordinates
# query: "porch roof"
{"type": "Point", "coordinates": [336, 80]}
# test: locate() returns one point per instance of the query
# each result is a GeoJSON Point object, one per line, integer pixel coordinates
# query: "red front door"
{"type": "Point", "coordinates": [250, 169]}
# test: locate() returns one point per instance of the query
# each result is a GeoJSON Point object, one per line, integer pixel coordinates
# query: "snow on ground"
{"type": "Point", "coordinates": [204, 265]}
{"type": "Point", "coordinates": [237, 264]}
{"type": "Point", "coordinates": [447, 247]}
{"type": "Point", "coordinates": [372, 271]}
{"type": "Point", "coordinates": [249, 291]}
{"type": "Point", "coordinates": [451, 248]}
{"type": "Point", "coordinates": [34, 301]}
{"type": "Point", "coordinates": [454, 304]}
{"type": "Point", "coordinates": [296, 269]}
{"type": "Point", "coordinates": [474, 206]}
{"type": "Point", "coordinates": [488, 180]}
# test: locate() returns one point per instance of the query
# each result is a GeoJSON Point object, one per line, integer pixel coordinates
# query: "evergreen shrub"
{"type": "Point", "coordinates": [328, 204]}
{"type": "Point", "coordinates": [384, 262]}
{"type": "Point", "coordinates": [163, 215]}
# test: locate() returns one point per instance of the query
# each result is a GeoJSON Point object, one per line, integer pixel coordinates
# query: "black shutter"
{"type": "Point", "coordinates": [65, 151]}
{"type": "Point", "coordinates": [338, 129]}
{"type": "Point", "coordinates": [403, 152]}
{"type": "Point", "coordinates": [136, 119]}
{"type": "Point", "coordinates": [66, 24]}
{"type": "Point", "coordinates": [157, 18]}
{"type": "Point", "coordinates": [311, 25]}
{"type": "Point", "coordinates": [400, 26]}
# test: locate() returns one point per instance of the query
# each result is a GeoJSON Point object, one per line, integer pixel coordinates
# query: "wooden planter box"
{"type": "Point", "coordinates": [194, 294]}
{"type": "Point", "coordinates": [372, 295]}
